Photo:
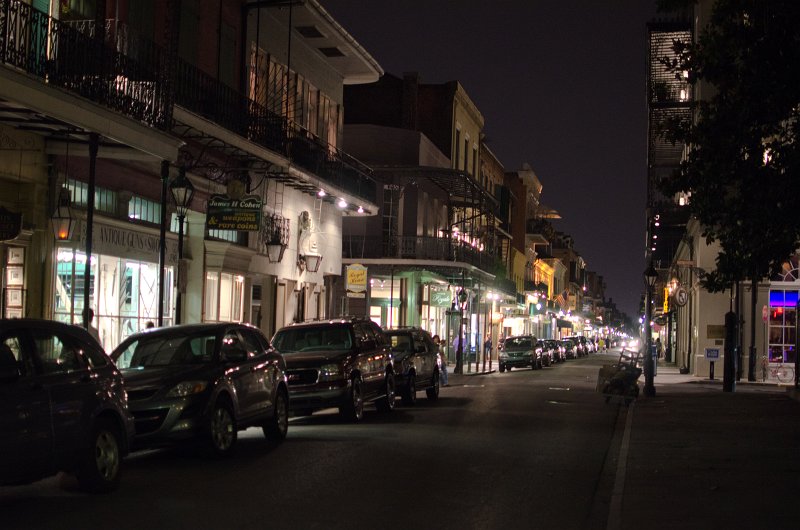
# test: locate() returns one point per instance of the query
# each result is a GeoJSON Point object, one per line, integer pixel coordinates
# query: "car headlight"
{"type": "Point", "coordinates": [503, 355]}
{"type": "Point", "coordinates": [187, 388]}
{"type": "Point", "coordinates": [330, 372]}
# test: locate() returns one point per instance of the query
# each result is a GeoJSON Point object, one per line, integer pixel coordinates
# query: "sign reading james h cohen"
{"type": "Point", "coordinates": [242, 214]}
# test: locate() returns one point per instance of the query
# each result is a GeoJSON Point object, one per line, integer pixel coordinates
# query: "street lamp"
{"type": "Point", "coordinates": [182, 192]}
{"type": "Point", "coordinates": [650, 277]}
{"type": "Point", "coordinates": [62, 219]}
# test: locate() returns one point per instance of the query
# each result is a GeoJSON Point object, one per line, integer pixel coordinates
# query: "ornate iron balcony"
{"type": "Point", "coordinates": [69, 56]}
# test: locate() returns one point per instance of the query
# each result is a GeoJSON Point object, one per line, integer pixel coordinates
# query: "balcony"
{"type": "Point", "coordinates": [134, 77]}
{"type": "Point", "coordinates": [416, 247]}
{"type": "Point", "coordinates": [68, 56]}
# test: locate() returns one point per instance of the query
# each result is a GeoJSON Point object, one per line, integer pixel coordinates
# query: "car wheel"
{"type": "Point", "coordinates": [222, 431]}
{"type": "Point", "coordinates": [386, 403]}
{"type": "Point", "coordinates": [502, 368]}
{"type": "Point", "coordinates": [433, 391]}
{"type": "Point", "coordinates": [353, 410]}
{"type": "Point", "coordinates": [98, 469]}
{"type": "Point", "coordinates": [410, 391]}
{"type": "Point", "coordinates": [276, 428]}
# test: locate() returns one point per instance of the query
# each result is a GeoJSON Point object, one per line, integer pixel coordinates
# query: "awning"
{"type": "Point", "coordinates": [563, 323]}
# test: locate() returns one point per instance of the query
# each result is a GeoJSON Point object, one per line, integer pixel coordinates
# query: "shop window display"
{"type": "Point", "coordinates": [782, 326]}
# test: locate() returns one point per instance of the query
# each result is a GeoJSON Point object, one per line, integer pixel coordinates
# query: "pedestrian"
{"type": "Point", "coordinates": [90, 328]}
{"type": "Point", "coordinates": [443, 376]}
{"type": "Point", "coordinates": [659, 348]}
{"type": "Point", "coordinates": [487, 346]}
{"type": "Point", "coordinates": [149, 325]}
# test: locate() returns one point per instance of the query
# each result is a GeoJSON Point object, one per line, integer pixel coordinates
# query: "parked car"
{"type": "Point", "coordinates": [570, 349]}
{"type": "Point", "coordinates": [62, 406]}
{"type": "Point", "coordinates": [416, 363]}
{"type": "Point", "coordinates": [579, 346]}
{"type": "Point", "coordinates": [342, 363]}
{"type": "Point", "coordinates": [519, 351]}
{"type": "Point", "coordinates": [548, 355]}
{"type": "Point", "coordinates": [203, 381]}
{"type": "Point", "coordinates": [558, 350]}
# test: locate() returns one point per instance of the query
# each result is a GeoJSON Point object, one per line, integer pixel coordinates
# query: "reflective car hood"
{"type": "Point", "coordinates": [158, 376]}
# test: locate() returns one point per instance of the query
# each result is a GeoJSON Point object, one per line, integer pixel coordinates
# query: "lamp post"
{"type": "Point", "coordinates": [182, 192]}
{"type": "Point", "coordinates": [650, 277]}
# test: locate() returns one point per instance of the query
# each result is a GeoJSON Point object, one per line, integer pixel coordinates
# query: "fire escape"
{"type": "Point", "coordinates": [669, 97]}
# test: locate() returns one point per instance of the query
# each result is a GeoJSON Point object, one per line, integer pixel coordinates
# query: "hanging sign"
{"type": "Point", "coordinates": [356, 281]}
{"type": "Point", "coordinates": [10, 224]}
{"type": "Point", "coordinates": [681, 297]}
{"type": "Point", "coordinates": [226, 213]}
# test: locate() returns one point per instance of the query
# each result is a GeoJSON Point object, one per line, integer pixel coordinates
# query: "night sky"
{"type": "Point", "coordinates": [561, 86]}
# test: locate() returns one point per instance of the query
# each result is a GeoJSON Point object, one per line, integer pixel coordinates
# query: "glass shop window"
{"type": "Point", "coordinates": [224, 297]}
{"type": "Point", "coordinates": [782, 326]}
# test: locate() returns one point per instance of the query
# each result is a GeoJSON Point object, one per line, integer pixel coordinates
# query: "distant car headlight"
{"type": "Point", "coordinates": [330, 372]}
{"type": "Point", "coordinates": [187, 388]}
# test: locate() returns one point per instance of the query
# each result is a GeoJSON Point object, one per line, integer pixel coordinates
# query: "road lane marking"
{"type": "Point", "coordinates": [615, 508]}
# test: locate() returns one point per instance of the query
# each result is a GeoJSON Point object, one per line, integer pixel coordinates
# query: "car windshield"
{"type": "Point", "coordinates": [400, 342]}
{"type": "Point", "coordinates": [312, 338]}
{"type": "Point", "coordinates": [170, 350]}
{"type": "Point", "coordinates": [517, 343]}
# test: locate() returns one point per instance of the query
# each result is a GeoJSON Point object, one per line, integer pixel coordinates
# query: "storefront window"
{"type": "Point", "coordinates": [782, 326]}
{"type": "Point", "coordinates": [387, 300]}
{"type": "Point", "coordinates": [123, 294]}
{"type": "Point", "coordinates": [224, 297]}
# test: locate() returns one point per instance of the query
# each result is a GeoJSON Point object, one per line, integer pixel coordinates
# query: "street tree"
{"type": "Point", "coordinates": [742, 163]}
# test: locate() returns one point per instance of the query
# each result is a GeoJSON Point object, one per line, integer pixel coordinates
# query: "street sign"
{"type": "Point", "coordinates": [712, 354]}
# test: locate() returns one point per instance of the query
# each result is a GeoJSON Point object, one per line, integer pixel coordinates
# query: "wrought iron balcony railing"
{"type": "Point", "coordinates": [130, 75]}
{"type": "Point", "coordinates": [416, 247]}
{"type": "Point", "coordinates": [68, 56]}
{"type": "Point", "coordinates": [202, 94]}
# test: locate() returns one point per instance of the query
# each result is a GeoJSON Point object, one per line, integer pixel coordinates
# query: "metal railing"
{"type": "Point", "coordinates": [128, 74]}
{"type": "Point", "coordinates": [67, 55]}
{"type": "Point", "coordinates": [415, 247]}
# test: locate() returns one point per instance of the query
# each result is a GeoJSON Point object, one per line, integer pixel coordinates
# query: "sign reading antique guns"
{"type": "Point", "coordinates": [225, 213]}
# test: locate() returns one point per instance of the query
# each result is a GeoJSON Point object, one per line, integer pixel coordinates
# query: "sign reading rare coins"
{"type": "Point", "coordinates": [10, 224]}
{"type": "Point", "coordinates": [225, 213]}
{"type": "Point", "coordinates": [356, 281]}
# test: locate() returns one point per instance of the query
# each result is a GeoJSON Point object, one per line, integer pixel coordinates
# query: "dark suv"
{"type": "Point", "coordinates": [342, 363]}
{"type": "Point", "coordinates": [62, 406]}
{"type": "Point", "coordinates": [416, 363]}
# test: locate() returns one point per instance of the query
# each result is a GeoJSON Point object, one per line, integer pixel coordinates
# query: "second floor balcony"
{"type": "Point", "coordinates": [418, 248]}
{"type": "Point", "coordinates": [114, 67]}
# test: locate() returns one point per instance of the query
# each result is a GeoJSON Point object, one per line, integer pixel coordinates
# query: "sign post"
{"type": "Point", "coordinates": [712, 356]}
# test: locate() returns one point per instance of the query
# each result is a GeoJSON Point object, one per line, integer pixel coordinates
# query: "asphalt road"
{"type": "Point", "coordinates": [525, 449]}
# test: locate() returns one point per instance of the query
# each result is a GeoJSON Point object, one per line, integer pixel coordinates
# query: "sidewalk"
{"type": "Point", "coordinates": [698, 457]}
